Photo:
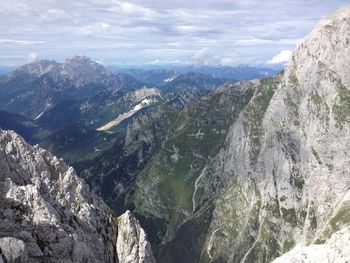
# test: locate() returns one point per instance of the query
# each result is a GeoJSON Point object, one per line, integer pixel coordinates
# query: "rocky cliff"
{"type": "Point", "coordinates": [280, 177]}
{"type": "Point", "coordinates": [48, 214]}
{"type": "Point", "coordinates": [283, 171]}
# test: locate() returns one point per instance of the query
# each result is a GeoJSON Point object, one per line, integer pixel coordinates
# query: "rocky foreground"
{"type": "Point", "coordinates": [48, 214]}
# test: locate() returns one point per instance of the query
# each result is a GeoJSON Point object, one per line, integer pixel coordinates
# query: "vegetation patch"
{"type": "Point", "coordinates": [341, 108]}
{"type": "Point", "coordinates": [314, 152]}
{"type": "Point", "coordinates": [294, 109]}
{"type": "Point", "coordinates": [255, 111]}
{"type": "Point", "coordinates": [288, 245]}
{"type": "Point", "coordinates": [321, 108]}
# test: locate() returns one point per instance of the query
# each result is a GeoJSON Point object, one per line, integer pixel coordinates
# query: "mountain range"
{"type": "Point", "coordinates": [160, 75]}
{"type": "Point", "coordinates": [199, 168]}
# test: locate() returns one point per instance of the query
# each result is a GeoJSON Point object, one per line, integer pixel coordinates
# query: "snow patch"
{"type": "Point", "coordinates": [144, 103]}
{"type": "Point", "coordinates": [41, 114]}
{"type": "Point", "coordinates": [169, 79]}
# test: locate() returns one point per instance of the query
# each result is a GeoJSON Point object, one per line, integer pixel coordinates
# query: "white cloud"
{"type": "Point", "coordinates": [259, 41]}
{"type": "Point", "coordinates": [100, 61]}
{"type": "Point", "coordinates": [185, 28]}
{"type": "Point", "coordinates": [227, 61]}
{"type": "Point", "coordinates": [32, 57]}
{"type": "Point", "coordinates": [281, 57]}
{"type": "Point", "coordinates": [19, 42]}
{"type": "Point", "coordinates": [202, 56]}
{"type": "Point", "coordinates": [154, 62]}
{"type": "Point", "coordinates": [135, 9]}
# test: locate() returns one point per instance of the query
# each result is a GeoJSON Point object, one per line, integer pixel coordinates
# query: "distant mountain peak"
{"type": "Point", "coordinates": [80, 59]}
{"type": "Point", "coordinates": [39, 67]}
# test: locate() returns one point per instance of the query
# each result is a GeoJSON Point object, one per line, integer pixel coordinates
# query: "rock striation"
{"type": "Point", "coordinates": [48, 214]}
{"type": "Point", "coordinates": [283, 171]}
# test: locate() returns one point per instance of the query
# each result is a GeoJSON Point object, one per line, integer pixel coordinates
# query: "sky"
{"type": "Point", "coordinates": [152, 32]}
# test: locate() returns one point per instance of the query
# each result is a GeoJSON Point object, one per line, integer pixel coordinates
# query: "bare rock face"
{"type": "Point", "coordinates": [48, 214]}
{"type": "Point", "coordinates": [132, 245]}
{"type": "Point", "coordinates": [13, 250]}
{"type": "Point", "coordinates": [335, 250]}
{"type": "Point", "coordinates": [283, 173]}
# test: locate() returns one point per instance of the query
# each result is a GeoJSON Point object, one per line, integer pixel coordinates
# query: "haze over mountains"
{"type": "Point", "coordinates": [196, 165]}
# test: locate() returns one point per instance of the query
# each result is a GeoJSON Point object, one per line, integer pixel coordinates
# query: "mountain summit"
{"type": "Point", "coordinates": [34, 88]}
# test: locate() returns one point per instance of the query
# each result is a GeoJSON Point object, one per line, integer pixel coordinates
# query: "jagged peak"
{"type": "Point", "coordinates": [79, 59]}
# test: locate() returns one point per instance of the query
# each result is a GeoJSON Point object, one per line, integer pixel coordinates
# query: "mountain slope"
{"type": "Point", "coordinates": [10, 121]}
{"type": "Point", "coordinates": [48, 214]}
{"type": "Point", "coordinates": [97, 110]}
{"type": "Point", "coordinates": [196, 84]}
{"type": "Point", "coordinates": [170, 178]}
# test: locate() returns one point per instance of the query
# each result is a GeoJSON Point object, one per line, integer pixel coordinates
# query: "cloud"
{"type": "Point", "coordinates": [32, 57]}
{"type": "Point", "coordinates": [19, 42]}
{"type": "Point", "coordinates": [134, 9]}
{"type": "Point", "coordinates": [280, 58]}
{"type": "Point", "coordinates": [202, 56]}
{"type": "Point", "coordinates": [138, 31]}
{"type": "Point", "coordinates": [226, 61]}
{"type": "Point", "coordinates": [259, 41]}
{"type": "Point", "coordinates": [185, 28]}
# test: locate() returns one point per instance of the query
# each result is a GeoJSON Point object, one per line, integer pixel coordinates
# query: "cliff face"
{"type": "Point", "coordinates": [48, 214]}
{"type": "Point", "coordinates": [284, 168]}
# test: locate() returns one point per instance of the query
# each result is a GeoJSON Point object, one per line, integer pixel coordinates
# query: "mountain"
{"type": "Point", "coordinates": [4, 70]}
{"type": "Point", "coordinates": [193, 83]}
{"type": "Point", "coordinates": [80, 131]}
{"type": "Point", "coordinates": [278, 179]}
{"type": "Point", "coordinates": [48, 214]}
{"type": "Point", "coordinates": [97, 110]}
{"type": "Point", "coordinates": [250, 171]}
{"type": "Point", "coordinates": [240, 72]}
{"type": "Point", "coordinates": [158, 75]}
{"type": "Point", "coordinates": [34, 88]}
{"type": "Point", "coordinates": [155, 77]}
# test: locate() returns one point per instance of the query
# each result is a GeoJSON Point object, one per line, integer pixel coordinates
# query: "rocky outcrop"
{"type": "Point", "coordinates": [132, 244]}
{"type": "Point", "coordinates": [12, 250]}
{"type": "Point", "coordinates": [48, 214]}
{"type": "Point", "coordinates": [335, 250]}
